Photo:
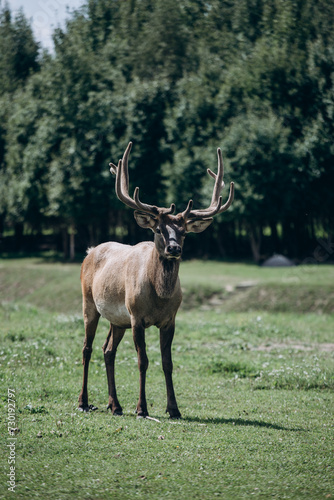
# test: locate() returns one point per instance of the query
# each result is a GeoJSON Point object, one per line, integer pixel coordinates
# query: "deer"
{"type": "Point", "coordinates": [138, 286]}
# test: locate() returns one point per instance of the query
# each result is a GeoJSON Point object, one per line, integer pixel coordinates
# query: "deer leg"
{"type": "Point", "coordinates": [115, 335]}
{"type": "Point", "coordinates": [138, 332]}
{"type": "Point", "coordinates": [166, 339]}
{"type": "Point", "coordinates": [91, 319]}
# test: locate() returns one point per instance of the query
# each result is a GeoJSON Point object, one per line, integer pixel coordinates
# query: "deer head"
{"type": "Point", "coordinates": [170, 230]}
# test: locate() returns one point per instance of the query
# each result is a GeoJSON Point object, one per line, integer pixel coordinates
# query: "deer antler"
{"type": "Point", "coordinates": [122, 188]}
{"type": "Point", "coordinates": [216, 206]}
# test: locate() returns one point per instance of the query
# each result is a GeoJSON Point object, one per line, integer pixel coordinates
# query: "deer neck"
{"type": "Point", "coordinates": [164, 275]}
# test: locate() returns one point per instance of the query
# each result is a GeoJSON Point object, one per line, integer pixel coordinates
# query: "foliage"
{"type": "Point", "coordinates": [180, 79]}
{"type": "Point", "coordinates": [18, 59]}
{"type": "Point", "coordinates": [18, 50]}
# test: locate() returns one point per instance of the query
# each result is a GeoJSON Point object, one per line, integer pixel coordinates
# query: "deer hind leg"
{"type": "Point", "coordinates": [115, 335]}
{"type": "Point", "coordinates": [166, 339]}
{"type": "Point", "coordinates": [91, 319]}
{"type": "Point", "coordinates": [138, 332]}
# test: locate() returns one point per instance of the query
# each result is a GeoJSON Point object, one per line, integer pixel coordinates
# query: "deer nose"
{"type": "Point", "coordinates": [174, 250]}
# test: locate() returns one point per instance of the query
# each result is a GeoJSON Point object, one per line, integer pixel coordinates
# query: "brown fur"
{"type": "Point", "coordinates": [138, 286]}
{"type": "Point", "coordinates": [133, 287]}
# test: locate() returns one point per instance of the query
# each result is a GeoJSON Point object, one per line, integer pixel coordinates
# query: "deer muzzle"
{"type": "Point", "coordinates": [173, 251]}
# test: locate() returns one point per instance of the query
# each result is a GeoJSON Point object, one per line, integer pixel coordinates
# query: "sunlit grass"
{"type": "Point", "coordinates": [255, 390]}
{"type": "Point", "coordinates": [254, 393]}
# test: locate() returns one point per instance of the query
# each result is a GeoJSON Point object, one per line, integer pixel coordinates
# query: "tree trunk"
{"type": "Point", "coordinates": [255, 235]}
{"type": "Point", "coordinates": [72, 242]}
{"type": "Point", "coordinates": [219, 240]}
{"type": "Point", "coordinates": [274, 238]}
{"type": "Point", "coordinates": [64, 242]}
{"type": "Point", "coordinates": [92, 242]}
{"type": "Point", "coordinates": [19, 227]}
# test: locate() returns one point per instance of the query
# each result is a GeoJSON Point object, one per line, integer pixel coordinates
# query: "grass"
{"type": "Point", "coordinates": [241, 287]}
{"type": "Point", "coordinates": [255, 389]}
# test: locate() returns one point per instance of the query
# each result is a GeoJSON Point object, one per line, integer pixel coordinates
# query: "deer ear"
{"type": "Point", "coordinates": [145, 220]}
{"type": "Point", "coordinates": [199, 225]}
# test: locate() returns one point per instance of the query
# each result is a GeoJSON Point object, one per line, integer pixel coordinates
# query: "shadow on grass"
{"type": "Point", "coordinates": [242, 422]}
{"type": "Point", "coordinates": [216, 421]}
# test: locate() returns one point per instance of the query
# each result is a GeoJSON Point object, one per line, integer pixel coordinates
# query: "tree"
{"type": "Point", "coordinates": [19, 58]}
{"type": "Point", "coordinates": [18, 50]}
{"type": "Point", "coordinates": [179, 79]}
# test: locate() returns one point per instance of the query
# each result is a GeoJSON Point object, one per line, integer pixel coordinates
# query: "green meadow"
{"type": "Point", "coordinates": [253, 374]}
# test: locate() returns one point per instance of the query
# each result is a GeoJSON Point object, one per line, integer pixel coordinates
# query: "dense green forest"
{"type": "Point", "coordinates": [179, 78]}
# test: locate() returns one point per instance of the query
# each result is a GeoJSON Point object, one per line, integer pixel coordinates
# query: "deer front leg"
{"type": "Point", "coordinates": [138, 332]}
{"type": "Point", "coordinates": [110, 347]}
{"type": "Point", "coordinates": [166, 339]}
{"type": "Point", "coordinates": [91, 320]}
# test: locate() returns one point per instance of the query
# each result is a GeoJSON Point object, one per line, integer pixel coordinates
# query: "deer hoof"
{"type": "Point", "coordinates": [174, 414]}
{"type": "Point", "coordinates": [142, 413]}
{"type": "Point", "coordinates": [87, 408]}
{"type": "Point", "coordinates": [118, 412]}
{"type": "Point", "coordinates": [115, 410]}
